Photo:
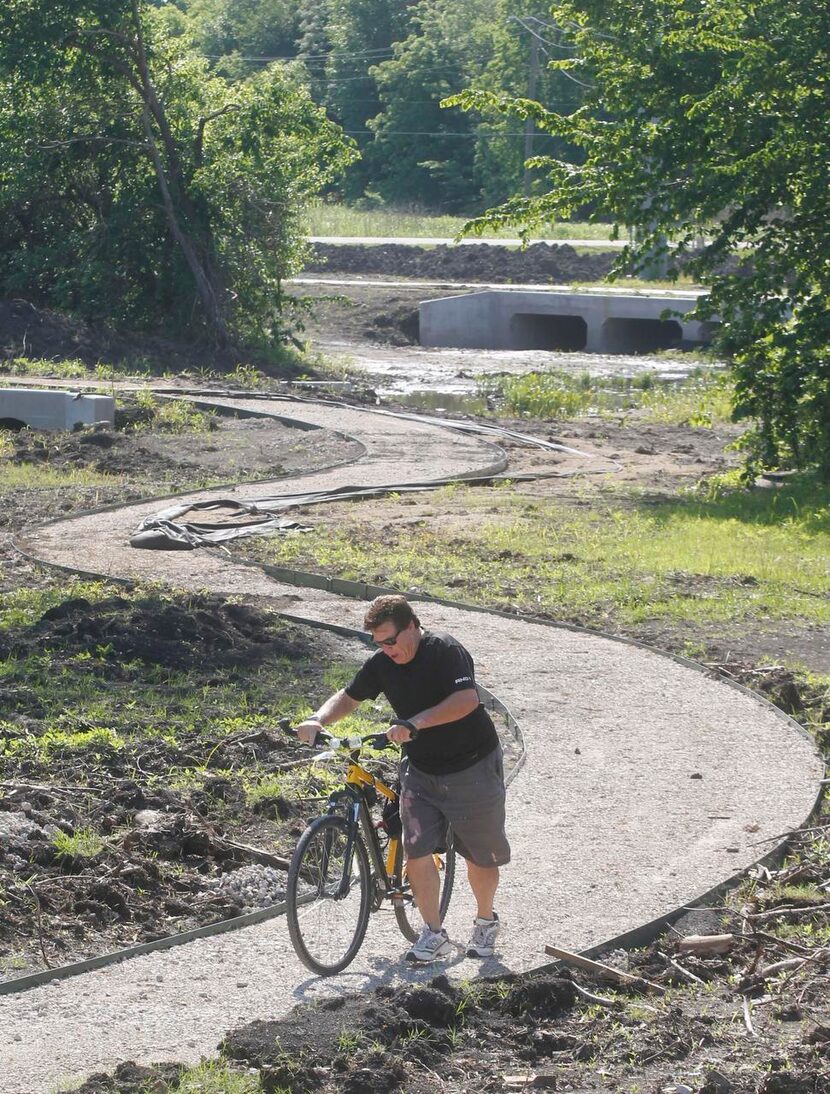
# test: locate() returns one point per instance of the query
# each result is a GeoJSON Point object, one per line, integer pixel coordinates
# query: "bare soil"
{"type": "Point", "coordinates": [152, 878]}
{"type": "Point", "coordinates": [552, 1030]}
{"type": "Point", "coordinates": [540, 263]}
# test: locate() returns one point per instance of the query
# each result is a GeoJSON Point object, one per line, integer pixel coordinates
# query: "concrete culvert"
{"type": "Point", "coordinates": [550, 332]}
{"type": "Point", "coordinates": [640, 335]}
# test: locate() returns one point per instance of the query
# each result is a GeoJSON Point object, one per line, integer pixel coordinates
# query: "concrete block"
{"type": "Point", "coordinates": [42, 408]}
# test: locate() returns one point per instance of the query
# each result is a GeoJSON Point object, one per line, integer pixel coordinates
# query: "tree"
{"type": "Point", "coordinates": [707, 124]}
{"type": "Point", "coordinates": [423, 154]}
{"type": "Point", "coordinates": [361, 33]}
{"type": "Point", "coordinates": [237, 34]}
{"type": "Point", "coordinates": [137, 186]}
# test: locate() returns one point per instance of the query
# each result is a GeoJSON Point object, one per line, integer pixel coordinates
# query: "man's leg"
{"type": "Point", "coordinates": [484, 880]}
{"type": "Point", "coordinates": [426, 884]}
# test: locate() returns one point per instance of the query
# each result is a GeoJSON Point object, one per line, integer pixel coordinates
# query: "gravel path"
{"type": "Point", "coordinates": [646, 784]}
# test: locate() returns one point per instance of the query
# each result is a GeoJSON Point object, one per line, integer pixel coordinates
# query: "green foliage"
{"type": "Point", "coordinates": [25, 366]}
{"type": "Point", "coordinates": [545, 395]}
{"type": "Point", "coordinates": [231, 32]}
{"type": "Point", "coordinates": [705, 128]}
{"type": "Point", "coordinates": [382, 68]}
{"type": "Point", "coordinates": [173, 415]}
{"type": "Point", "coordinates": [85, 843]}
{"type": "Point", "coordinates": [138, 186]}
{"type": "Point", "coordinates": [425, 154]}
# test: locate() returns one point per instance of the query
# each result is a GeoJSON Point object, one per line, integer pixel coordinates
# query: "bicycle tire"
{"type": "Point", "coordinates": [406, 914]}
{"type": "Point", "coordinates": [327, 931]}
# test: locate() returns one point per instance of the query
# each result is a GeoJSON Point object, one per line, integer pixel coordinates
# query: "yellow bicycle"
{"type": "Point", "coordinates": [347, 865]}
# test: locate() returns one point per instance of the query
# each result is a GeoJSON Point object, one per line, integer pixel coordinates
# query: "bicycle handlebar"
{"type": "Point", "coordinates": [379, 741]}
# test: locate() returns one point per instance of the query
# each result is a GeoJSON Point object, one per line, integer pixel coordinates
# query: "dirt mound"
{"type": "Point", "coordinates": [539, 263]}
{"type": "Point", "coordinates": [370, 1043]}
{"type": "Point", "coordinates": [157, 632]}
{"type": "Point", "coordinates": [130, 1078]}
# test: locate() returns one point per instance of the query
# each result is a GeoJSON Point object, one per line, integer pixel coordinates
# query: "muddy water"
{"type": "Point", "coordinates": [433, 379]}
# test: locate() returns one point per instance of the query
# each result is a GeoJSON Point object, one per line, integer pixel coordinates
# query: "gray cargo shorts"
{"type": "Point", "coordinates": [471, 802]}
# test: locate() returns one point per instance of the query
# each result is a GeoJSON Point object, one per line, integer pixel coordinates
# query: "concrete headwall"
{"type": "Point", "coordinates": [591, 322]}
{"type": "Point", "coordinates": [41, 409]}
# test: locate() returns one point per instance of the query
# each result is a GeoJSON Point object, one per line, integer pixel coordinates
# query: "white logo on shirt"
{"type": "Point", "coordinates": [461, 679]}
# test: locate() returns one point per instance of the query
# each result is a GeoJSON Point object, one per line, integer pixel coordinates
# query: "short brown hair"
{"type": "Point", "coordinates": [391, 607]}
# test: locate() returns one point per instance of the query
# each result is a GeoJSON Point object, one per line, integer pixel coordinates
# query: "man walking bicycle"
{"type": "Point", "coordinates": [451, 768]}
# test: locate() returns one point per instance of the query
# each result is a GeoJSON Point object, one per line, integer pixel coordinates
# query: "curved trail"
{"type": "Point", "coordinates": [642, 781]}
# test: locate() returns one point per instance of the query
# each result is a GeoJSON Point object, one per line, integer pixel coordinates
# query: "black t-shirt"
{"type": "Point", "coordinates": [440, 666]}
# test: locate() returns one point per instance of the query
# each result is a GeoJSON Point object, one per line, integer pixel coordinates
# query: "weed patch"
{"type": "Point", "coordinates": [703, 399]}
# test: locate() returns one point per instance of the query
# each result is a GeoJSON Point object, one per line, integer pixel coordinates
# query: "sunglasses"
{"type": "Point", "coordinates": [389, 641]}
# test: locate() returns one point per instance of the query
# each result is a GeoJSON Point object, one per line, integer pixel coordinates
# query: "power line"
{"type": "Point", "coordinates": [298, 56]}
{"type": "Point", "coordinates": [423, 133]}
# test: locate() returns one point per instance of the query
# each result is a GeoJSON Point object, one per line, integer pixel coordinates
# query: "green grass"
{"type": "Point", "coordinates": [751, 556]}
{"type": "Point", "coordinates": [242, 375]}
{"type": "Point", "coordinates": [703, 399]}
{"type": "Point", "coordinates": [28, 476]}
{"type": "Point", "coordinates": [70, 369]}
{"type": "Point", "coordinates": [23, 607]}
{"type": "Point", "coordinates": [340, 220]}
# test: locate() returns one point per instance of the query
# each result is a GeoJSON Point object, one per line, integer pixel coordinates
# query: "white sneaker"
{"type": "Point", "coordinates": [483, 939]}
{"type": "Point", "coordinates": [431, 946]}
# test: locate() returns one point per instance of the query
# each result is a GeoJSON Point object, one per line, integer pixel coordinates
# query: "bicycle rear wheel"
{"type": "Point", "coordinates": [406, 911]}
{"type": "Point", "coordinates": [327, 913]}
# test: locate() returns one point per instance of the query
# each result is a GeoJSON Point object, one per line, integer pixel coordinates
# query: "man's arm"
{"type": "Point", "coordinates": [337, 706]}
{"type": "Point", "coordinates": [455, 706]}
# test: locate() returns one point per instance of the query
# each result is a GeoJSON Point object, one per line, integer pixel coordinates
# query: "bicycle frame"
{"type": "Point", "coordinates": [358, 779]}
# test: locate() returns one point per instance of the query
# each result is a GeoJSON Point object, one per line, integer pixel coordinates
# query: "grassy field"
{"type": "Point", "coordinates": [340, 220]}
{"type": "Point", "coordinates": [616, 562]}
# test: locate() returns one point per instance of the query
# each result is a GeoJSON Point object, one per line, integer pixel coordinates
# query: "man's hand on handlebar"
{"type": "Point", "coordinates": [401, 731]}
{"type": "Point", "coordinates": [307, 731]}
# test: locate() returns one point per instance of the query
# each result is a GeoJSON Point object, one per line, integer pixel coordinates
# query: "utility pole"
{"type": "Point", "coordinates": [532, 73]}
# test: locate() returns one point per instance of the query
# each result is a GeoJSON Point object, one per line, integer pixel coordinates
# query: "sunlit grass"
{"type": "Point", "coordinates": [340, 220]}
{"type": "Point", "coordinates": [747, 556]}
{"type": "Point", "coordinates": [174, 415]}
{"type": "Point", "coordinates": [67, 369]}
{"type": "Point", "coordinates": [85, 843]}
{"type": "Point", "coordinates": [702, 399]}
{"type": "Point", "coordinates": [43, 477]}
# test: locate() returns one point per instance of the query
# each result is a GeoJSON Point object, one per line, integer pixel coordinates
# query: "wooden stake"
{"type": "Point", "coordinates": [603, 970]}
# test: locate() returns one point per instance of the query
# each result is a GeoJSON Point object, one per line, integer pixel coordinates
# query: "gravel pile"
{"type": "Point", "coordinates": [251, 886]}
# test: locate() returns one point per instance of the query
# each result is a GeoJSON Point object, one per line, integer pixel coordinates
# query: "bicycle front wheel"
{"type": "Point", "coordinates": [328, 905]}
{"type": "Point", "coordinates": [406, 911]}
